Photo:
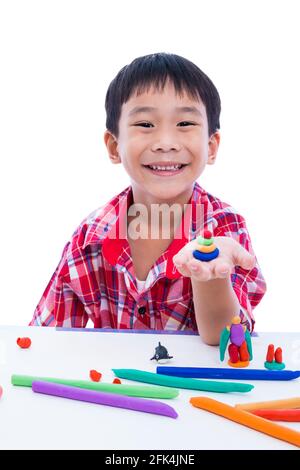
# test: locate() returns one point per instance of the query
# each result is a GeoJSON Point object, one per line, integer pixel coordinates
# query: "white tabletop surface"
{"type": "Point", "coordinates": [35, 421]}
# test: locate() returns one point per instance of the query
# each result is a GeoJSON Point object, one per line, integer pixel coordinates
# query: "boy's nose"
{"type": "Point", "coordinates": [165, 146]}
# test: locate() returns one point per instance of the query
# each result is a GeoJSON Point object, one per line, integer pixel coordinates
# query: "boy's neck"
{"type": "Point", "coordinates": [151, 221]}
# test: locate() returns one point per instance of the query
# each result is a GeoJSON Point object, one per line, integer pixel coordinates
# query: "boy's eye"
{"type": "Point", "coordinates": [185, 123]}
{"type": "Point", "coordinates": [144, 124]}
{"type": "Point", "coordinates": [148, 124]}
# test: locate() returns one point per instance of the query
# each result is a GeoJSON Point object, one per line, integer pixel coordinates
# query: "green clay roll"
{"type": "Point", "coordinates": [192, 384]}
{"type": "Point", "coordinates": [121, 389]}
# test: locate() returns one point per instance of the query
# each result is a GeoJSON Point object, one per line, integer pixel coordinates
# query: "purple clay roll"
{"type": "Point", "coordinates": [104, 398]}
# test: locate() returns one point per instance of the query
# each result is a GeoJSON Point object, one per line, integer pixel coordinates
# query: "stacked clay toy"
{"type": "Point", "coordinates": [274, 359]}
{"type": "Point", "coordinates": [240, 347]}
{"type": "Point", "coordinates": [206, 249]}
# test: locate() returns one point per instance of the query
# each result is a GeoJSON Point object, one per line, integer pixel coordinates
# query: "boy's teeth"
{"type": "Point", "coordinates": [173, 167]}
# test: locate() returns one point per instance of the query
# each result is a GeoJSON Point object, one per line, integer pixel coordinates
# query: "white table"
{"type": "Point", "coordinates": [36, 421]}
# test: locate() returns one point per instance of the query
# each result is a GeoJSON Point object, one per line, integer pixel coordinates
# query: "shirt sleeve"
{"type": "Point", "coordinates": [249, 286]}
{"type": "Point", "coordinates": [59, 305]}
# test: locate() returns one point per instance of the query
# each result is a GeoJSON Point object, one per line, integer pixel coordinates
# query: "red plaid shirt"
{"type": "Point", "coordinates": [95, 278]}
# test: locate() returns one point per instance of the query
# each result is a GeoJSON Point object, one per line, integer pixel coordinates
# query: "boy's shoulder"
{"type": "Point", "coordinates": [222, 218]}
{"type": "Point", "coordinates": [215, 208]}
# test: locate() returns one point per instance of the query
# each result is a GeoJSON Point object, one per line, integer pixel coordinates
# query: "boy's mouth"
{"type": "Point", "coordinates": [166, 170]}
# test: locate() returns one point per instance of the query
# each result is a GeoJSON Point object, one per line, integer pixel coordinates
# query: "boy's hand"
{"type": "Point", "coordinates": [231, 254]}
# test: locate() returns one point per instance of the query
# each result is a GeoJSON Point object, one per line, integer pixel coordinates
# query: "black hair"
{"type": "Point", "coordinates": [155, 69]}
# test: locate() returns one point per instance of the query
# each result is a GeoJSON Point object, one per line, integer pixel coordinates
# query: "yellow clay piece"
{"type": "Point", "coordinates": [206, 249]}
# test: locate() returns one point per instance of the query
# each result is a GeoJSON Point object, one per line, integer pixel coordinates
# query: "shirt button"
{"type": "Point", "coordinates": [142, 310]}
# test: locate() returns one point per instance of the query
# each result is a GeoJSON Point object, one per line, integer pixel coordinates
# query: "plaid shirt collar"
{"type": "Point", "coordinates": [109, 228]}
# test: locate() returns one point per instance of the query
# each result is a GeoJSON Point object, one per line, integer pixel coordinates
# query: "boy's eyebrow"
{"type": "Point", "coordinates": [142, 109]}
{"type": "Point", "coordinates": [149, 109]}
{"type": "Point", "coordinates": [189, 109]}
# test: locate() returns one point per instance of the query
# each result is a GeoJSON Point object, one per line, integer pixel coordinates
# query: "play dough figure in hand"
{"type": "Point", "coordinates": [240, 347]}
{"type": "Point", "coordinates": [206, 249]}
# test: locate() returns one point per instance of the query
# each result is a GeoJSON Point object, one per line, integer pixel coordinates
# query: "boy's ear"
{"type": "Point", "coordinates": [112, 147]}
{"type": "Point", "coordinates": [213, 145]}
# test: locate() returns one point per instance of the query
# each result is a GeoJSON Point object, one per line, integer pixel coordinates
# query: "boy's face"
{"type": "Point", "coordinates": [162, 129]}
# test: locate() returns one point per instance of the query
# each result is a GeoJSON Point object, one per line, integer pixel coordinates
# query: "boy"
{"type": "Point", "coordinates": [124, 270]}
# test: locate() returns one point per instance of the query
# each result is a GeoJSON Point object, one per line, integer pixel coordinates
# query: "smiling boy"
{"type": "Point", "coordinates": [125, 266]}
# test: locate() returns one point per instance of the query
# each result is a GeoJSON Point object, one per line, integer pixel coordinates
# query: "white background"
{"type": "Point", "coordinates": [57, 59]}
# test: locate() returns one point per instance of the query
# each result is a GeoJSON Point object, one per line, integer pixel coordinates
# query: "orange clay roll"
{"type": "Point", "coordinates": [270, 405]}
{"type": "Point", "coordinates": [279, 415]}
{"type": "Point", "coordinates": [247, 419]}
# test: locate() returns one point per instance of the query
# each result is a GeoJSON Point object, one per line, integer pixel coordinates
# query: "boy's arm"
{"type": "Point", "coordinates": [215, 304]}
{"type": "Point", "coordinates": [59, 306]}
{"type": "Point", "coordinates": [219, 296]}
{"type": "Point", "coordinates": [248, 285]}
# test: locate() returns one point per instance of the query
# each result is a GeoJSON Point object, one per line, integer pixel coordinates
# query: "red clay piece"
{"type": "Point", "coordinates": [207, 234]}
{"type": "Point", "coordinates": [117, 381]}
{"type": "Point", "coordinates": [24, 343]}
{"type": "Point", "coordinates": [278, 355]}
{"type": "Point", "coordinates": [244, 354]}
{"type": "Point", "coordinates": [233, 352]}
{"type": "Point", "coordinates": [270, 353]}
{"type": "Point", "coordinates": [95, 376]}
{"type": "Point", "coordinates": [1, 391]}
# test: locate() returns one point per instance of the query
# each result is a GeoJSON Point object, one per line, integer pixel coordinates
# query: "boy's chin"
{"type": "Point", "coordinates": [166, 192]}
